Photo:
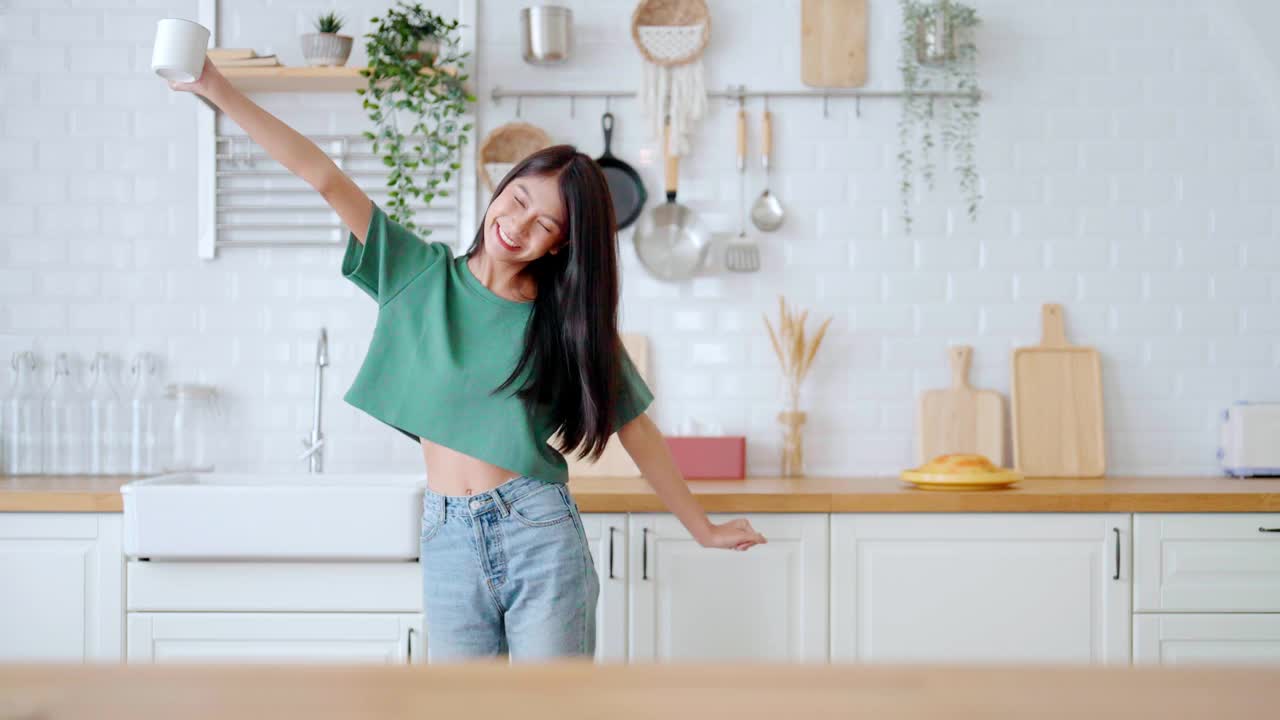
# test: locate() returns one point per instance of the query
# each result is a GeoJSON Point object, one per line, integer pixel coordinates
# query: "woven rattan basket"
{"type": "Point", "coordinates": [505, 146]}
{"type": "Point", "coordinates": [690, 15]}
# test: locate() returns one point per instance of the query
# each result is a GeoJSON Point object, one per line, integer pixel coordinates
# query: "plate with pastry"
{"type": "Point", "coordinates": [961, 472]}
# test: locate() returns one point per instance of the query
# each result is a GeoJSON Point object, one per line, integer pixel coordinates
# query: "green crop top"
{"type": "Point", "coordinates": [441, 343]}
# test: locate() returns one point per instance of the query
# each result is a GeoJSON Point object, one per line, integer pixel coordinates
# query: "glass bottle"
{"type": "Point", "coordinates": [65, 423]}
{"type": "Point", "coordinates": [146, 416]}
{"type": "Point", "coordinates": [23, 406]}
{"type": "Point", "coordinates": [108, 439]}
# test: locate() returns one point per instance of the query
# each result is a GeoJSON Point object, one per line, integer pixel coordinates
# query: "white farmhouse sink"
{"type": "Point", "coordinates": [235, 516]}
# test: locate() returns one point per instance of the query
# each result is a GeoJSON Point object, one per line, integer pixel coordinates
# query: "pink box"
{"type": "Point", "coordinates": [705, 458]}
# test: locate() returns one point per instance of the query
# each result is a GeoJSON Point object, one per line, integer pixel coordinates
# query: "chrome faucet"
{"type": "Point", "coordinates": [314, 445]}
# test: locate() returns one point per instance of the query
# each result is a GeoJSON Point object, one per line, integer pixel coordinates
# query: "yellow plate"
{"type": "Point", "coordinates": [956, 481]}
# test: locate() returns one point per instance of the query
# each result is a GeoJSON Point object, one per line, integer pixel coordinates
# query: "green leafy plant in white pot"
{"type": "Point", "coordinates": [325, 47]}
{"type": "Point", "coordinates": [417, 100]}
{"type": "Point", "coordinates": [938, 54]}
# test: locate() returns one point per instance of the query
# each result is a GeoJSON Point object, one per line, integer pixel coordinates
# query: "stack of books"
{"type": "Point", "coordinates": [241, 57]}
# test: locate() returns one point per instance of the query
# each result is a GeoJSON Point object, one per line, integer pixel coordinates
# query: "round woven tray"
{"type": "Point", "coordinates": [671, 13]}
{"type": "Point", "coordinates": [507, 145]}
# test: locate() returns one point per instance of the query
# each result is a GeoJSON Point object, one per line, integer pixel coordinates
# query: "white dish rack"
{"type": "Point", "coordinates": [259, 203]}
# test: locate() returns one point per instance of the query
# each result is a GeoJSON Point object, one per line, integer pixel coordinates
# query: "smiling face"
{"type": "Point", "coordinates": [526, 220]}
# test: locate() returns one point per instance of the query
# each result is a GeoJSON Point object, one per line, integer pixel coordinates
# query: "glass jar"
{"type": "Point", "coordinates": [108, 434]}
{"type": "Point", "coordinates": [147, 417]}
{"type": "Point", "coordinates": [195, 428]}
{"type": "Point", "coordinates": [22, 414]}
{"type": "Point", "coordinates": [66, 427]}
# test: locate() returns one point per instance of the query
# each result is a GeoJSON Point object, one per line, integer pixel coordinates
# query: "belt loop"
{"type": "Point", "coordinates": [500, 502]}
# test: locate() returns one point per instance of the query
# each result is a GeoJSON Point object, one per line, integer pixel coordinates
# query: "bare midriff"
{"type": "Point", "coordinates": [450, 472]}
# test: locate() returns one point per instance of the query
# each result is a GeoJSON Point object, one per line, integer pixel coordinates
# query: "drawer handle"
{"type": "Point", "coordinates": [1117, 575]}
{"type": "Point", "coordinates": [644, 554]}
{"type": "Point", "coordinates": [612, 530]}
{"type": "Point", "coordinates": [1267, 529]}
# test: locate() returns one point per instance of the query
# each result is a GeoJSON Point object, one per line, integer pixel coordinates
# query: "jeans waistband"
{"type": "Point", "coordinates": [499, 498]}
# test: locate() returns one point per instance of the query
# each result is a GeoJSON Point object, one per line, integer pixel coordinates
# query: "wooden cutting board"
{"type": "Point", "coordinates": [961, 418]}
{"type": "Point", "coordinates": [1057, 405]}
{"type": "Point", "coordinates": [615, 462]}
{"type": "Point", "coordinates": [833, 43]}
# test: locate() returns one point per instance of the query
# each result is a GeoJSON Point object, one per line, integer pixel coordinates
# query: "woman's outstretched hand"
{"type": "Point", "coordinates": [733, 535]}
{"type": "Point", "coordinates": [209, 78]}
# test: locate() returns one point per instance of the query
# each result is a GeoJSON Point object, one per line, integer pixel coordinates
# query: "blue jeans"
{"type": "Point", "coordinates": [507, 572]}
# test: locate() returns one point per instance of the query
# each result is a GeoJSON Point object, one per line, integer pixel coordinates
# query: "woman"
{"type": "Point", "coordinates": [482, 359]}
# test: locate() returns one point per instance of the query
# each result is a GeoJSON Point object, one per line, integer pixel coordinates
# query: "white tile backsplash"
{"type": "Point", "coordinates": [1129, 162]}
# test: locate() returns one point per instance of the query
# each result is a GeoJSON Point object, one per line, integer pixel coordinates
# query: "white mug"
{"type": "Point", "coordinates": [179, 49]}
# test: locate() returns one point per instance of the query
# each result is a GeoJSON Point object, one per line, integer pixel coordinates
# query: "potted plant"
{"type": "Point", "coordinates": [326, 47]}
{"type": "Point", "coordinates": [938, 53]}
{"type": "Point", "coordinates": [417, 99]}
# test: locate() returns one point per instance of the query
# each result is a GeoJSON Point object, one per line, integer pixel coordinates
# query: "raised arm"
{"type": "Point", "coordinates": [288, 147]}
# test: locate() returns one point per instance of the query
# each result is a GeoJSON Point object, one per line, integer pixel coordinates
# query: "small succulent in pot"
{"type": "Point", "coordinates": [326, 47]}
{"type": "Point", "coordinates": [329, 23]}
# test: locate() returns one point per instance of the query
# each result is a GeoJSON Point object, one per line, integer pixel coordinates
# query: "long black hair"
{"type": "Point", "coordinates": [572, 351]}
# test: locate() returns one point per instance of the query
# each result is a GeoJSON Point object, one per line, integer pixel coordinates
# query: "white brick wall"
{"type": "Point", "coordinates": [1129, 162]}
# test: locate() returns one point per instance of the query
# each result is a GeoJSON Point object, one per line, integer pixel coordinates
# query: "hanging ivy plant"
{"type": "Point", "coordinates": [416, 98]}
{"type": "Point", "coordinates": [938, 53]}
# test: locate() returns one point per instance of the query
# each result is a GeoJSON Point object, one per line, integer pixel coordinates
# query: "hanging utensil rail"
{"type": "Point", "coordinates": [733, 94]}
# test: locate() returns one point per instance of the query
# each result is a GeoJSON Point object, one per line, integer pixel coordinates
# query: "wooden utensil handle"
{"type": "Point", "coordinates": [1052, 328]}
{"type": "Point", "coordinates": [671, 163]}
{"type": "Point", "coordinates": [766, 143]}
{"type": "Point", "coordinates": [961, 359]}
{"type": "Point", "coordinates": [742, 139]}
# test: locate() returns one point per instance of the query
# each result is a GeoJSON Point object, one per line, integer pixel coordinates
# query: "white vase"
{"type": "Point", "coordinates": [326, 49]}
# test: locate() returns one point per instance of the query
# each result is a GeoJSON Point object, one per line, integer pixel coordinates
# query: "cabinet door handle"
{"type": "Point", "coordinates": [1117, 575]}
{"type": "Point", "coordinates": [644, 554]}
{"type": "Point", "coordinates": [409, 648]}
{"type": "Point", "coordinates": [1267, 529]}
{"type": "Point", "coordinates": [612, 530]}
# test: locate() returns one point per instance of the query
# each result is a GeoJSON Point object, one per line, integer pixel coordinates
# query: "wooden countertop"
{"type": "Point", "coordinates": [568, 690]}
{"type": "Point", "coordinates": [811, 494]}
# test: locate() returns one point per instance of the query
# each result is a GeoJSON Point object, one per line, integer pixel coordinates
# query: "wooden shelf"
{"type": "Point", "coordinates": [298, 79]}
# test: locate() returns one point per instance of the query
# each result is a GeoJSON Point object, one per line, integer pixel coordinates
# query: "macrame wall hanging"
{"type": "Point", "coordinates": [671, 36]}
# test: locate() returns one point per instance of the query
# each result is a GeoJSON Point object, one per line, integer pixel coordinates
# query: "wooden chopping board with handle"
{"type": "Point", "coordinates": [1057, 405]}
{"type": "Point", "coordinates": [833, 43]}
{"type": "Point", "coordinates": [961, 418]}
{"type": "Point", "coordinates": [615, 462]}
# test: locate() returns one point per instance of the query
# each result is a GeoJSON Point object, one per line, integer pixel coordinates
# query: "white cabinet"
{"type": "Point", "coordinates": [1207, 562]}
{"type": "Point", "coordinates": [275, 611]}
{"type": "Point", "coordinates": [980, 587]}
{"type": "Point", "coordinates": [1206, 638]}
{"type": "Point", "coordinates": [607, 535]}
{"type": "Point", "coordinates": [276, 637]}
{"type": "Point", "coordinates": [688, 602]}
{"type": "Point", "coordinates": [62, 595]}
{"type": "Point", "coordinates": [1206, 588]}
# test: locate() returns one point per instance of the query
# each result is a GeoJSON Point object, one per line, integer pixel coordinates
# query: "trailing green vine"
{"type": "Point", "coordinates": [404, 43]}
{"type": "Point", "coordinates": [956, 73]}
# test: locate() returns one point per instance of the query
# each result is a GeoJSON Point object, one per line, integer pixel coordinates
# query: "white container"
{"type": "Point", "coordinates": [1250, 439]}
{"type": "Point", "coordinates": [179, 50]}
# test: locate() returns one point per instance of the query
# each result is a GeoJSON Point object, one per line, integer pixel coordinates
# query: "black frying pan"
{"type": "Point", "coordinates": [625, 186]}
